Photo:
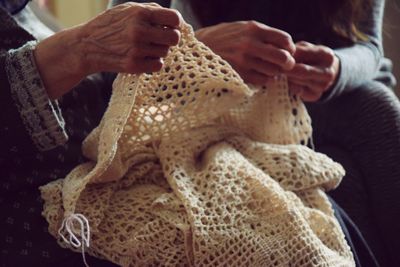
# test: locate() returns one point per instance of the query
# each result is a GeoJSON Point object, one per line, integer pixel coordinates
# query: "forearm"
{"type": "Point", "coordinates": [59, 62]}
{"type": "Point", "coordinates": [360, 62]}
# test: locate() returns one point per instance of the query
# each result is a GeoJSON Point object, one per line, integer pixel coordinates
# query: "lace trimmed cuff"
{"type": "Point", "coordinates": [41, 116]}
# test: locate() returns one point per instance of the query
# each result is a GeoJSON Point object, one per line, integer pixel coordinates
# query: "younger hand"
{"type": "Point", "coordinates": [315, 71]}
{"type": "Point", "coordinates": [256, 51]}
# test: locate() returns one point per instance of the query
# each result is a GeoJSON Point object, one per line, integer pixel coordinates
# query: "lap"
{"type": "Point", "coordinates": [361, 130]}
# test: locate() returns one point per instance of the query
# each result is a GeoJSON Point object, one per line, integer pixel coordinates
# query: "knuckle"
{"type": "Point", "coordinates": [252, 26]}
{"type": "Point", "coordinates": [304, 43]}
{"type": "Point", "coordinates": [175, 17]}
{"type": "Point", "coordinates": [284, 56]}
{"type": "Point", "coordinates": [153, 4]}
{"type": "Point", "coordinates": [139, 12]}
{"type": "Point", "coordinates": [308, 70]}
{"type": "Point", "coordinates": [286, 39]}
{"type": "Point", "coordinates": [329, 74]}
{"type": "Point", "coordinates": [330, 55]}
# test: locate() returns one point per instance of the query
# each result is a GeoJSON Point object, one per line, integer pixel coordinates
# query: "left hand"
{"type": "Point", "coordinates": [315, 71]}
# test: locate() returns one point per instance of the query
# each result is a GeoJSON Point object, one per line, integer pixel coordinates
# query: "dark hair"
{"type": "Point", "coordinates": [338, 19]}
{"type": "Point", "coordinates": [343, 17]}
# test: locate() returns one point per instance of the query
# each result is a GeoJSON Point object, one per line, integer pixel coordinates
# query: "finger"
{"type": "Point", "coordinates": [269, 53]}
{"type": "Point", "coordinates": [144, 65]}
{"type": "Point", "coordinates": [310, 84]}
{"type": "Point", "coordinates": [314, 55]}
{"type": "Point", "coordinates": [149, 50]}
{"type": "Point", "coordinates": [262, 66]}
{"type": "Point", "coordinates": [296, 88]}
{"type": "Point", "coordinates": [152, 4]}
{"type": "Point", "coordinates": [254, 77]}
{"type": "Point", "coordinates": [307, 72]}
{"type": "Point", "coordinates": [273, 36]}
{"type": "Point", "coordinates": [165, 17]}
{"type": "Point", "coordinates": [160, 36]}
{"type": "Point", "coordinates": [304, 44]}
{"type": "Point", "coordinates": [303, 54]}
{"type": "Point", "coordinates": [310, 96]}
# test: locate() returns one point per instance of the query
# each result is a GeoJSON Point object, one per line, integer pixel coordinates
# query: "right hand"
{"type": "Point", "coordinates": [256, 51]}
{"type": "Point", "coordinates": [129, 38]}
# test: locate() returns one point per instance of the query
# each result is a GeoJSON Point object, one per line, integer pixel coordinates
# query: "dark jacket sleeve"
{"type": "Point", "coordinates": [361, 61]}
{"type": "Point", "coordinates": [28, 113]}
{"type": "Point", "coordinates": [30, 121]}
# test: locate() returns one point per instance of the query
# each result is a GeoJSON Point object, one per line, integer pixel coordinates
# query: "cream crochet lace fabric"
{"type": "Point", "coordinates": [191, 167]}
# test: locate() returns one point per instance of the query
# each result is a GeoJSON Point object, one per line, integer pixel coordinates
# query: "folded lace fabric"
{"type": "Point", "coordinates": [191, 167]}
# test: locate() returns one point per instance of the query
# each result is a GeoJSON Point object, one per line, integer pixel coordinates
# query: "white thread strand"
{"type": "Point", "coordinates": [312, 142]}
{"type": "Point", "coordinates": [69, 224]}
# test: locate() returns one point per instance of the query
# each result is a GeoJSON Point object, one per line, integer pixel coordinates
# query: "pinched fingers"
{"type": "Point", "coordinates": [314, 81]}
{"type": "Point", "coordinates": [261, 66]}
{"type": "Point", "coordinates": [165, 17]}
{"type": "Point", "coordinates": [314, 54]}
{"type": "Point", "coordinates": [306, 93]}
{"type": "Point", "coordinates": [308, 72]}
{"type": "Point", "coordinates": [309, 95]}
{"type": "Point", "coordinates": [157, 35]}
{"type": "Point", "coordinates": [253, 77]}
{"type": "Point", "coordinates": [312, 85]}
{"type": "Point", "coordinates": [270, 35]}
{"type": "Point", "coordinates": [131, 38]}
{"type": "Point", "coordinates": [154, 37]}
{"type": "Point", "coordinates": [268, 53]}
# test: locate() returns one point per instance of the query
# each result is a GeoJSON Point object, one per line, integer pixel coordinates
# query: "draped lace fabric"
{"type": "Point", "coordinates": [191, 167]}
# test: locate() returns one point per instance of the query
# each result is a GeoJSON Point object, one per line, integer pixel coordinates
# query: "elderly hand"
{"type": "Point", "coordinates": [256, 51]}
{"type": "Point", "coordinates": [315, 71]}
{"type": "Point", "coordinates": [131, 38]}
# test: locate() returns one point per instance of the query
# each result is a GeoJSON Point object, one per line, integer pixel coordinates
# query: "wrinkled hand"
{"type": "Point", "coordinates": [315, 71]}
{"type": "Point", "coordinates": [129, 38]}
{"type": "Point", "coordinates": [256, 51]}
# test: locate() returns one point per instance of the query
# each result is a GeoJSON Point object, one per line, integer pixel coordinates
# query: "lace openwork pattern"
{"type": "Point", "coordinates": [192, 167]}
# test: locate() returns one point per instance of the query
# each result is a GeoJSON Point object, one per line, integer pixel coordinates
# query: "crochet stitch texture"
{"type": "Point", "coordinates": [191, 167]}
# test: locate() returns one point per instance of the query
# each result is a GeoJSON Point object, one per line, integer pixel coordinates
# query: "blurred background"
{"type": "Point", "coordinates": [67, 13]}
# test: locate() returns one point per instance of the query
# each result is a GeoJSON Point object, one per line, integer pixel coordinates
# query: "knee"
{"type": "Point", "coordinates": [374, 98]}
{"type": "Point", "coordinates": [376, 111]}
{"type": "Point", "coordinates": [369, 112]}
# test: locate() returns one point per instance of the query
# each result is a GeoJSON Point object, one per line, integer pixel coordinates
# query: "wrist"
{"type": "Point", "coordinates": [59, 62]}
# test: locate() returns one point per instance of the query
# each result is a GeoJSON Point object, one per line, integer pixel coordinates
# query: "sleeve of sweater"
{"type": "Point", "coordinates": [29, 119]}
{"type": "Point", "coordinates": [41, 116]}
{"type": "Point", "coordinates": [360, 62]}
